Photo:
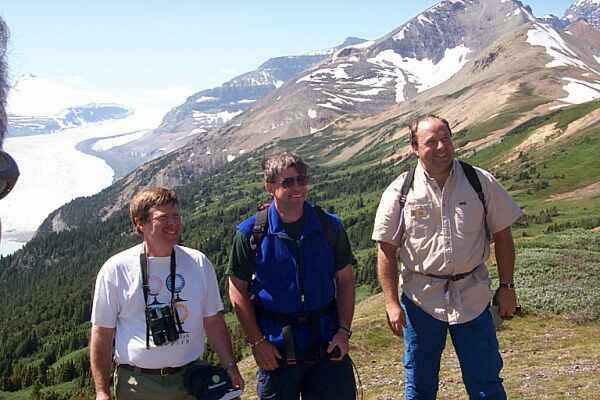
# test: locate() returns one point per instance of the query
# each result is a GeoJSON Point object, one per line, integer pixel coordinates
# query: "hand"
{"type": "Point", "coordinates": [236, 378]}
{"type": "Point", "coordinates": [395, 319]}
{"type": "Point", "coordinates": [339, 340]}
{"type": "Point", "coordinates": [266, 355]}
{"type": "Point", "coordinates": [507, 302]}
{"type": "Point", "coordinates": [102, 396]}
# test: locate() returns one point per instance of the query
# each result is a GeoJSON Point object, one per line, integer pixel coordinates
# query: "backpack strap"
{"type": "Point", "coordinates": [259, 228]}
{"type": "Point", "coordinates": [325, 225]}
{"type": "Point", "coordinates": [473, 179]}
{"type": "Point", "coordinates": [406, 186]}
{"type": "Point", "coordinates": [261, 224]}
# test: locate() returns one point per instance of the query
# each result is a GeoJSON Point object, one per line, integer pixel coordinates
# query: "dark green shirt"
{"type": "Point", "coordinates": [241, 260]}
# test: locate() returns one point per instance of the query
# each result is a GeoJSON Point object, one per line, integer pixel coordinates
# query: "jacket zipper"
{"type": "Point", "coordinates": [299, 270]}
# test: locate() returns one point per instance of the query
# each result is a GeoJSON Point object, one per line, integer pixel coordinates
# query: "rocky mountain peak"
{"type": "Point", "coordinates": [453, 23]}
{"type": "Point", "coordinates": [585, 9]}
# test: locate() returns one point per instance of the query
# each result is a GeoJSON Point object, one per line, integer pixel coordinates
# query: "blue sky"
{"type": "Point", "coordinates": [197, 44]}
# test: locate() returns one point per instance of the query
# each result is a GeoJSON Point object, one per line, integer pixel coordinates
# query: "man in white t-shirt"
{"type": "Point", "coordinates": [152, 353]}
{"type": "Point", "coordinates": [442, 235]}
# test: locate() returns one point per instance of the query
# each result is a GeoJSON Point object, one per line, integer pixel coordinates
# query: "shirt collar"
{"type": "Point", "coordinates": [421, 170]}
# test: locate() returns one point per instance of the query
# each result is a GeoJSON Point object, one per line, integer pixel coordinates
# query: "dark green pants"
{"type": "Point", "coordinates": [132, 385]}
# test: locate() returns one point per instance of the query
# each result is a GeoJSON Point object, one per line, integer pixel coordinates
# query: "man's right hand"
{"type": "Point", "coordinates": [102, 396]}
{"type": "Point", "coordinates": [266, 355]}
{"type": "Point", "coordinates": [395, 319]}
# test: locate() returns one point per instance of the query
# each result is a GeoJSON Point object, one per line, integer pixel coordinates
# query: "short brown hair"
{"type": "Point", "coordinates": [143, 201]}
{"type": "Point", "coordinates": [273, 165]}
{"type": "Point", "coordinates": [414, 126]}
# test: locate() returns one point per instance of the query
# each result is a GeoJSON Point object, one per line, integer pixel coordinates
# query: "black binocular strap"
{"type": "Point", "coordinates": [145, 289]}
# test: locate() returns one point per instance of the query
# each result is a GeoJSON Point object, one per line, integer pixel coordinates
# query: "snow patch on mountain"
{"type": "Point", "coordinates": [205, 98]}
{"type": "Point", "coordinates": [584, 2]}
{"type": "Point", "coordinates": [580, 91]}
{"type": "Point", "coordinates": [330, 106]}
{"type": "Point", "coordinates": [370, 92]}
{"type": "Point", "coordinates": [424, 73]}
{"type": "Point", "coordinates": [400, 35]}
{"type": "Point", "coordinates": [545, 36]}
{"type": "Point", "coordinates": [363, 45]}
{"type": "Point", "coordinates": [312, 113]}
{"type": "Point", "coordinates": [424, 20]}
{"type": "Point", "coordinates": [218, 118]}
{"type": "Point", "coordinates": [597, 59]}
{"type": "Point", "coordinates": [325, 74]}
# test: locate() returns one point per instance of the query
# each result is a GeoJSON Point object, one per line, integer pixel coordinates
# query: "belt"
{"type": "Point", "coordinates": [456, 277]}
{"type": "Point", "coordinates": [158, 371]}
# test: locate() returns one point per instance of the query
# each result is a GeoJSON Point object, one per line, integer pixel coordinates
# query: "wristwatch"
{"type": "Point", "coordinates": [346, 331]}
{"type": "Point", "coordinates": [507, 285]}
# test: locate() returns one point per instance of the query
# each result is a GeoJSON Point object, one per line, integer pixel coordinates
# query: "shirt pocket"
{"type": "Point", "coordinates": [418, 219]}
{"type": "Point", "coordinates": [468, 216]}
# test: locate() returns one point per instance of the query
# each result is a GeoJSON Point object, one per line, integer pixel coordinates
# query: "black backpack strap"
{"type": "Point", "coordinates": [406, 186]}
{"type": "Point", "coordinates": [259, 228]}
{"type": "Point", "coordinates": [473, 179]}
{"type": "Point", "coordinates": [325, 225]}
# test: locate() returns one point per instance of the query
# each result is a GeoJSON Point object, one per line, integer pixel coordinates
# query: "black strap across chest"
{"type": "Point", "coordinates": [146, 289]}
{"type": "Point", "coordinates": [261, 224]}
{"type": "Point", "coordinates": [473, 179]}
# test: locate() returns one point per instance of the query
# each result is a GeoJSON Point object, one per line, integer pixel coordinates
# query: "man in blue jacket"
{"type": "Point", "coordinates": [292, 287]}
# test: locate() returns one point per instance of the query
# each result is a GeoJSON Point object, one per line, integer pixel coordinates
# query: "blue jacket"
{"type": "Point", "coordinates": [285, 268]}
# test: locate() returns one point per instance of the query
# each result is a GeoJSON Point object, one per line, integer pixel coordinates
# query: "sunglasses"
{"type": "Point", "coordinates": [300, 180]}
{"type": "Point", "coordinates": [9, 173]}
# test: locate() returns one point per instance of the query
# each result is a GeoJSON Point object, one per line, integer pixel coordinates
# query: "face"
{"type": "Point", "coordinates": [163, 226]}
{"type": "Point", "coordinates": [287, 191]}
{"type": "Point", "coordinates": [434, 147]}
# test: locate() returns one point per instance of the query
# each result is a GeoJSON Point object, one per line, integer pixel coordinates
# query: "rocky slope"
{"type": "Point", "coordinates": [585, 9]}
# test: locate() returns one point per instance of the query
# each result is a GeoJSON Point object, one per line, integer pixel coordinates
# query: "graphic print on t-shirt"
{"type": "Point", "coordinates": [156, 287]}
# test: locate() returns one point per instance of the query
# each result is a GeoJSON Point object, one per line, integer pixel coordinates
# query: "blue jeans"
{"type": "Point", "coordinates": [475, 344]}
{"type": "Point", "coordinates": [325, 380]}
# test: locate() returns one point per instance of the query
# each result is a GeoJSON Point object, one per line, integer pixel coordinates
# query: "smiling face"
{"type": "Point", "coordinates": [289, 190]}
{"type": "Point", "coordinates": [434, 147]}
{"type": "Point", "coordinates": [162, 229]}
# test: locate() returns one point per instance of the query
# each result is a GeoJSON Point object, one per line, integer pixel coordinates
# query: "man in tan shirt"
{"type": "Point", "coordinates": [440, 237]}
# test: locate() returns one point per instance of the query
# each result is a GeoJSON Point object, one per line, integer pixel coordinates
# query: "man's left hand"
{"type": "Point", "coordinates": [340, 340]}
{"type": "Point", "coordinates": [236, 378]}
{"type": "Point", "coordinates": [507, 301]}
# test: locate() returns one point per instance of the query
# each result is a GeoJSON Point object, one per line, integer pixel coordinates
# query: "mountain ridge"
{"type": "Point", "coordinates": [20, 125]}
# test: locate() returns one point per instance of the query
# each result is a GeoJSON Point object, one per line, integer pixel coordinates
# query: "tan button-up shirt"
{"type": "Point", "coordinates": [441, 231]}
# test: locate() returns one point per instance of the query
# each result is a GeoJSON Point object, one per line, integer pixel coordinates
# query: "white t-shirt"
{"type": "Point", "coordinates": [119, 303]}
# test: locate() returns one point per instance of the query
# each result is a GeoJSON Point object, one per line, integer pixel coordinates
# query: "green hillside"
{"type": "Point", "coordinates": [47, 286]}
